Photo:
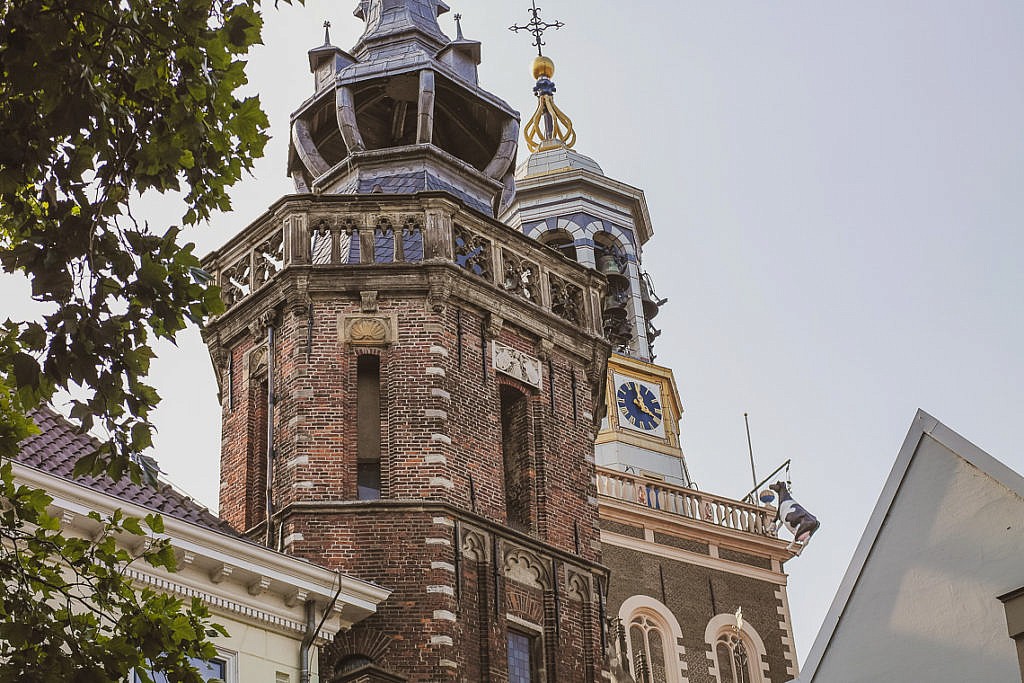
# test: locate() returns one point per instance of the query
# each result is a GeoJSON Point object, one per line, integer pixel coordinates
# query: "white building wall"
{"type": "Point", "coordinates": [924, 607]}
{"type": "Point", "coordinates": [261, 654]}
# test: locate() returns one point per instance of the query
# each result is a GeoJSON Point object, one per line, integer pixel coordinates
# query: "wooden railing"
{"type": "Point", "coordinates": [689, 503]}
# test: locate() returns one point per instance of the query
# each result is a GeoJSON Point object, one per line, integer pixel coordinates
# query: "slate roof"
{"type": "Point", "coordinates": [57, 448]}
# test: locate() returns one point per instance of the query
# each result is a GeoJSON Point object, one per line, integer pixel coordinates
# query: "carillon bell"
{"type": "Point", "coordinates": [651, 303]}
{"type": "Point", "coordinates": [614, 306]}
{"type": "Point", "coordinates": [608, 266]}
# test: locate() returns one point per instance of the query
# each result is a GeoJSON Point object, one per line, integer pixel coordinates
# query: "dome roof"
{"type": "Point", "coordinates": [558, 159]}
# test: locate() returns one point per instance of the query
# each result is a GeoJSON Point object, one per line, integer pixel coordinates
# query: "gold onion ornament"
{"type": "Point", "coordinates": [549, 127]}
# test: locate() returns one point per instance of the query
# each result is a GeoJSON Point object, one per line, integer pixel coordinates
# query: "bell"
{"type": "Point", "coordinates": [608, 266]}
{"type": "Point", "coordinates": [650, 304]}
{"type": "Point", "coordinates": [614, 306]}
{"type": "Point", "coordinates": [618, 331]}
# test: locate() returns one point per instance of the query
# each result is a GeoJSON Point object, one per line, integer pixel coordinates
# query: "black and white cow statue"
{"type": "Point", "coordinates": [801, 523]}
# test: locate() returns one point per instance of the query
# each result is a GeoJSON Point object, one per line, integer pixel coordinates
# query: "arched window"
{"type": "Point", "coordinates": [732, 658]}
{"type": "Point", "coordinates": [735, 655]}
{"type": "Point", "coordinates": [561, 241]}
{"type": "Point", "coordinates": [648, 645]}
{"type": "Point", "coordinates": [652, 636]}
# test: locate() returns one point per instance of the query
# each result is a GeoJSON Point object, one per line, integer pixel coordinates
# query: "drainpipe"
{"type": "Point", "coordinates": [307, 641]}
{"type": "Point", "coordinates": [270, 437]}
{"type": "Point", "coordinates": [312, 631]}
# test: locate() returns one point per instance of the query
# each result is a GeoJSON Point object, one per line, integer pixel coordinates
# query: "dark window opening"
{"type": "Point", "coordinates": [523, 657]}
{"type": "Point", "coordinates": [256, 455]}
{"type": "Point", "coordinates": [368, 426]}
{"type": "Point", "coordinates": [515, 452]}
{"type": "Point", "coordinates": [561, 241]}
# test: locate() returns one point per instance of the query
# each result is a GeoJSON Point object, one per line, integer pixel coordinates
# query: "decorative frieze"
{"type": "Point", "coordinates": [268, 258]}
{"type": "Point", "coordinates": [521, 276]}
{"type": "Point", "coordinates": [517, 364]}
{"type": "Point", "coordinates": [472, 252]}
{"type": "Point", "coordinates": [566, 300]}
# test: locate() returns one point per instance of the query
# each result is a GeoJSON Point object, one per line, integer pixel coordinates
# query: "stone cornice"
{"type": "Point", "coordinates": [668, 552]}
{"type": "Point", "coordinates": [244, 578]}
{"type": "Point", "coordinates": [482, 523]}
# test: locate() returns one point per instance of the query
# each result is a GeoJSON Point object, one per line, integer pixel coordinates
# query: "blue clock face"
{"type": "Point", "coordinates": [638, 405]}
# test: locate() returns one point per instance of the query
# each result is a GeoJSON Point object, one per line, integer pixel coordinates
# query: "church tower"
{"type": "Point", "coordinates": [697, 590]}
{"type": "Point", "coordinates": [566, 202]}
{"type": "Point", "coordinates": [411, 388]}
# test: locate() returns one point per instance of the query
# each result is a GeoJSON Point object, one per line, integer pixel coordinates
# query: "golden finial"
{"type": "Point", "coordinates": [542, 67]}
{"type": "Point", "coordinates": [549, 127]}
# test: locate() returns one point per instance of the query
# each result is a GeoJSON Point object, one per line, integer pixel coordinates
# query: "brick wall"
{"type": "Point", "coordinates": [441, 464]}
{"type": "Point", "coordinates": [694, 594]}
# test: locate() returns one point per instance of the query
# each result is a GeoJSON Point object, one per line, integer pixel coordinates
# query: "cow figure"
{"type": "Point", "coordinates": [801, 523]}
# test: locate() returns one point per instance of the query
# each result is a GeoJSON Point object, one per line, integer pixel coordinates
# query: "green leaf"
{"type": "Point", "coordinates": [155, 523]}
{"type": "Point", "coordinates": [132, 526]}
{"type": "Point", "coordinates": [26, 370]}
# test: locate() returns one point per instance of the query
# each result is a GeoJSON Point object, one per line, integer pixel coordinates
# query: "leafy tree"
{"type": "Point", "coordinates": [69, 613]}
{"type": "Point", "coordinates": [101, 101]}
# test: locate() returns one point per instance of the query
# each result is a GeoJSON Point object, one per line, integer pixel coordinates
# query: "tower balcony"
{"type": "Point", "coordinates": [684, 507]}
{"type": "Point", "coordinates": [339, 239]}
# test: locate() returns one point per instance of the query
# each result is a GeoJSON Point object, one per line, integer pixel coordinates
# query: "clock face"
{"type": "Point", "coordinates": [639, 405]}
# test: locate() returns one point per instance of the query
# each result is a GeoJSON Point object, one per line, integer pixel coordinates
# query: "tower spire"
{"type": "Point", "coordinates": [389, 22]}
{"type": "Point", "coordinates": [407, 113]}
{"type": "Point", "coordinates": [549, 127]}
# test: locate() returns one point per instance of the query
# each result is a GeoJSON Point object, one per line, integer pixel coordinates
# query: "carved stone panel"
{"type": "Point", "coordinates": [527, 568]}
{"type": "Point", "coordinates": [517, 364]}
{"type": "Point", "coordinates": [367, 330]}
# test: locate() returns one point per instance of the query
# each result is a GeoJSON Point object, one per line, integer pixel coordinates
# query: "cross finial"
{"type": "Point", "coordinates": [327, 32]}
{"type": "Point", "coordinates": [536, 27]}
{"type": "Point", "coordinates": [458, 27]}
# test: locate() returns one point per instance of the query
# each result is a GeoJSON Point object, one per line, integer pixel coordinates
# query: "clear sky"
{"type": "Point", "coordinates": [837, 192]}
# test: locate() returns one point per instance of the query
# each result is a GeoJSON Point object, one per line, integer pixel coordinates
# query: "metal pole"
{"type": "Point", "coordinates": [765, 480]}
{"type": "Point", "coordinates": [269, 474]}
{"type": "Point", "coordinates": [750, 448]}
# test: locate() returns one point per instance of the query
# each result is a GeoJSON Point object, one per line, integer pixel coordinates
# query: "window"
{"type": "Point", "coordinates": [733, 661]}
{"type": "Point", "coordinates": [561, 241]}
{"type": "Point", "coordinates": [368, 422]}
{"type": "Point", "coordinates": [216, 669]}
{"type": "Point", "coordinates": [736, 655]}
{"type": "Point", "coordinates": [523, 657]}
{"type": "Point", "coordinates": [515, 454]}
{"type": "Point", "coordinates": [653, 640]}
{"type": "Point", "coordinates": [648, 645]}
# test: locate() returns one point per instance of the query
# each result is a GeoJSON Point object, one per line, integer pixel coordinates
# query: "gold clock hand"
{"type": "Point", "coordinates": [643, 407]}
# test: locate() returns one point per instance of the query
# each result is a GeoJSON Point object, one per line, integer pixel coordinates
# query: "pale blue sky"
{"type": "Point", "coordinates": [836, 192]}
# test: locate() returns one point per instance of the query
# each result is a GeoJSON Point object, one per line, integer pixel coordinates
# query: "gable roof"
{"type": "Point", "coordinates": [57, 448]}
{"type": "Point", "coordinates": [924, 425]}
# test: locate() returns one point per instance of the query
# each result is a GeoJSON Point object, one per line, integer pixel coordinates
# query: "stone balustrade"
{"type": "Point", "coordinates": [341, 232]}
{"type": "Point", "coordinates": [690, 503]}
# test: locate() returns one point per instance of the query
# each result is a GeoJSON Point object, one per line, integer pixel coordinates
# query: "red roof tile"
{"type": "Point", "coordinates": [57, 448]}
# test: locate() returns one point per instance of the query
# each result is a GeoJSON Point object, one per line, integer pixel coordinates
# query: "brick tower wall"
{"type": "Point", "coordinates": [439, 537]}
